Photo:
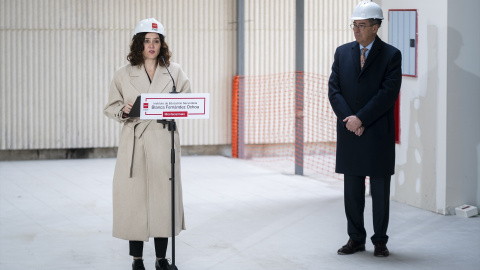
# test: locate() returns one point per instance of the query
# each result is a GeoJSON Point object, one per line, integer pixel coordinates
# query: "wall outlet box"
{"type": "Point", "coordinates": [466, 210]}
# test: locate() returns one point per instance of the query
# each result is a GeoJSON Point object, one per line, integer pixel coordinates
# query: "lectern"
{"type": "Point", "coordinates": [165, 108]}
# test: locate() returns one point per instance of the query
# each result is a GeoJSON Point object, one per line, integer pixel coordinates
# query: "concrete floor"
{"type": "Point", "coordinates": [240, 215]}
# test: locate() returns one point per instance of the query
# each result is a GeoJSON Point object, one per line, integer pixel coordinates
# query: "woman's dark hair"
{"type": "Point", "coordinates": [135, 57]}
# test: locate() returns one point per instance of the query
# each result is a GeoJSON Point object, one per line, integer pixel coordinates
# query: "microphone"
{"type": "Point", "coordinates": [174, 88]}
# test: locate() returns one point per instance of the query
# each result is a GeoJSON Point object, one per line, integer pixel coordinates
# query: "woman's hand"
{"type": "Point", "coordinates": [126, 109]}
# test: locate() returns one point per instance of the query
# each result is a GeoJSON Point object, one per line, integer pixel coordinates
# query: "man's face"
{"type": "Point", "coordinates": [364, 32]}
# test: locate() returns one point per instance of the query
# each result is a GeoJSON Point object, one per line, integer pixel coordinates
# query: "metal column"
{"type": "Point", "coordinates": [299, 55]}
{"type": "Point", "coordinates": [241, 73]}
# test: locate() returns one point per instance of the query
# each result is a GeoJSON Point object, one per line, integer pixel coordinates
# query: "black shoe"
{"type": "Point", "coordinates": [164, 264]}
{"type": "Point", "coordinates": [381, 250]}
{"type": "Point", "coordinates": [351, 247]}
{"type": "Point", "coordinates": [138, 265]}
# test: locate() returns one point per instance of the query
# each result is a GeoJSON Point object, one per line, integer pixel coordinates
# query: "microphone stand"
{"type": "Point", "coordinates": [172, 127]}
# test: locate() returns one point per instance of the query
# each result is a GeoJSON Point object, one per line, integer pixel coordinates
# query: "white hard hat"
{"type": "Point", "coordinates": [367, 10]}
{"type": "Point", "coordinates": [149, 25]}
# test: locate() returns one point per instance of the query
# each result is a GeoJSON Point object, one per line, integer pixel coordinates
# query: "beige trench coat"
{"type": "Point", "coordinates": [141, 182]}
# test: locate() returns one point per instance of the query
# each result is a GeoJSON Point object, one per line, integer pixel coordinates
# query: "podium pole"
{"type": "Point", "coordinates": [198, 107]}
{"type": "Point", "coordinates": [172, 127]}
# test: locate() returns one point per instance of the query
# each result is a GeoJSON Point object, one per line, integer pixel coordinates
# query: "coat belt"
{"type": "Point", "coordinates": [139, 128]}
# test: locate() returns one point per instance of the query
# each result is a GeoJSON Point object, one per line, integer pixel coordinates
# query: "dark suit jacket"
{"type": "Point", "coordinates": [370, 94]}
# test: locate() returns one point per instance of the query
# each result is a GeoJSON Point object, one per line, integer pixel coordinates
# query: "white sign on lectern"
{"type": "Point", "coordinates": [175, 106]}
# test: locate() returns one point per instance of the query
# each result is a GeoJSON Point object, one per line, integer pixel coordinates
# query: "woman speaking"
{"type": "Point", "coordinates": [141, 182]}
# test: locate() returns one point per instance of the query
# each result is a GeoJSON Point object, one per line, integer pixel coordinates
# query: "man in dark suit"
{"type": "Point", "coordinates": [363, 87]}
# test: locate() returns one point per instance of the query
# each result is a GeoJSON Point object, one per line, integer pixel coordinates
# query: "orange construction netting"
{"type": "Point", "coordinates": [285, 119]}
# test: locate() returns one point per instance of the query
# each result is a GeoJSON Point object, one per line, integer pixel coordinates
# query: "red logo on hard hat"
{"type": "Point", "coordinates": [154, 27]}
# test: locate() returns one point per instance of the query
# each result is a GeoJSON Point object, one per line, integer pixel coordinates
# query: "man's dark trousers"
{"type": "Point", "coordinates": [354, 199]}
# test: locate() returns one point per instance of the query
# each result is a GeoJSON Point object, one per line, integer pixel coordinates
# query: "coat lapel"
{"type": "Point", "coordinates": [376, 49]}
{"type": "Point", "coordinates": [160, 81]}
{"type": "Point", "coordinates": [139, 79]}
{"type": "Point", "coordinates": [356, 56]}
{"type": "Point", "coordinates": [141, 83]}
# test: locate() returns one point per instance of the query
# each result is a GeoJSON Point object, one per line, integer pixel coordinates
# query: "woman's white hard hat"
{"type": "Point", "coordinates": [149, 25]}
{"type": "Point", "coordinates": [367, 10]}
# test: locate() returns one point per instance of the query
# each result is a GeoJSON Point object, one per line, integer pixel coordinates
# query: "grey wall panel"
{"type": "Point", "coordinates": [57, 65]}
{"type": "Point", "coordinates": [269, 37]}
{"type": "Point", "coordinates": [326, 28]}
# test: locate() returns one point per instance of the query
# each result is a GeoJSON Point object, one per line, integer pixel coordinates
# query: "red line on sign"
{"type": "Point", "coordinates": [175, 114]}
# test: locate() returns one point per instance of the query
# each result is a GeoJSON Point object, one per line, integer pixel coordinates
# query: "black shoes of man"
{"type": "Point", "coordinates": [381, 250]}
{"type": "Point", "coordinates": [162, 264]}
{"type": "Point", "coordinates": [353, 246]}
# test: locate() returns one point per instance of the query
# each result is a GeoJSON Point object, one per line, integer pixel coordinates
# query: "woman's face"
{"type": "Point", "coordinates": [151, 46]}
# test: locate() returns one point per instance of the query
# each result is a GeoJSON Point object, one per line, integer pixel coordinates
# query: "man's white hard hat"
{"type": "Point", "coordinates": [367, 10]}
{"type": "Point", "coordinates": [149, 25]}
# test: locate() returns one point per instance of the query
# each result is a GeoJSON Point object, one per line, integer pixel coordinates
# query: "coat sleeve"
{"type": "Point", "coordinates": [385, 97]}
{"type": "Point", "coordinates": [113, 109]}
{"type": "Point", "coordinates": [337, 101]}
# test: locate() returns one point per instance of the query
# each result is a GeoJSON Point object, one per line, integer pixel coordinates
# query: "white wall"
{"type": "Point", "coordinates": [463, 110]}
{"type": "Point", "coordinates": [420, 175]}
{"type": "Point", "coordinates": [437, 159]}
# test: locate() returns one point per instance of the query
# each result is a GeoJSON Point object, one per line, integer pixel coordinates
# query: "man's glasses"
{"type": "Point", "coordinates": [360, 26]}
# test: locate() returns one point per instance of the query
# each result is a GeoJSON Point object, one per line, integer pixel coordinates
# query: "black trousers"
{"type": "Point", "coordinates": [161, 244]}
{"type": "Point", "coordinates": [354, 199]}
